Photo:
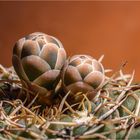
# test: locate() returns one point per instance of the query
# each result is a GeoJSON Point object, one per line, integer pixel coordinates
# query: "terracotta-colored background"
{"type": "Point", "coordinates": [94, 28]}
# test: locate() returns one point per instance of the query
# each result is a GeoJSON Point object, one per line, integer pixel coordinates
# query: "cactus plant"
{"type": "Point", "coordinates": [112, 115]}
{"type": "Point", "coordinates": [82, 74]}
{"type": "Point", "coordinates": [38, 59]}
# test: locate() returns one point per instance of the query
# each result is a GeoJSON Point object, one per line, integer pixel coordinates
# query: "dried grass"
{"type": "Point", "coordinates": [22, 120]}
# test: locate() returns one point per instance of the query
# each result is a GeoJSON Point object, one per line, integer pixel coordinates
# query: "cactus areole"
{"type": "Point", "coordinates": [38, 59]}
{"type": "Point", "coordinates": [82, 74]}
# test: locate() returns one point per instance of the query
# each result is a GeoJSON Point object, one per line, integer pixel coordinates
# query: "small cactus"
{"type": "Point", "coordinates": [38, 59]}
{"type": "Point", "coordinates": [82, 74]}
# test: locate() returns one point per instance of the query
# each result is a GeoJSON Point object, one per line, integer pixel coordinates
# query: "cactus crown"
{"type": "Point", "coordinates": [39, 58]}
{"type": "Point", "coordinates": [83, 72]}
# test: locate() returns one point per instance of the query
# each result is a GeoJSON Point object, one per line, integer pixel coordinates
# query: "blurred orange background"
{"type": "Point", "coordinates": [94, 28]}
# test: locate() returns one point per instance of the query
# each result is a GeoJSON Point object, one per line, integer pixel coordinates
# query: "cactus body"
{"type": "Point", "coordinates": [82, 74]}
{"type": "Point", "coordinates": [38, 59]}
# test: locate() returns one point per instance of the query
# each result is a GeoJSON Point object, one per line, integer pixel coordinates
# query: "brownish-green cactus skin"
{"type": "Point", "coordinates": [38, 59]}
{"type": "Point", "coordinates": [82, 74]}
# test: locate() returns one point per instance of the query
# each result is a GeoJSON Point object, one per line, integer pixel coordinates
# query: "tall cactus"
{"type": "Point", "coordinates": [38, 59]}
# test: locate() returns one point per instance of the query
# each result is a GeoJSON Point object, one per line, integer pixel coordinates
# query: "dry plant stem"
{"type": "Point", "coordinates": [116, 120]}
{"type": "Point", "coordinates": [124, 77]}
{"type": "Point", "coordinates": [123, 88]}
{"type": "Point", "coordinates": [34, 99]}
{"type": "Point", "coordinates": [56, 112]}
{"type": "Point", "coordinates": [96, 98]}
{"type": "Point", "coordinates": [51, 115]}
{"type": "Point", "coordinates": [123, 92]}
{"type": "Point", "coordinates": [113, 130]}
{"type": "Point", "coordinates": [96, 135]}
{"type": "Point", "coordinates": [9, 122]}
{"type": "Point", "coordinates": [63, 102]}
{"type": "Point", "coordinates": [80, 104]}
{"type": "Point", "coordinates": [37, 117]}
{"type": "Point", "coordinates": [137, 110]}
{"type": "Point", "coordinates": [101, 58]}
{"type": "Point", "coordinates": [108, 70]}
{"type": "Point", "coordinates": [35, 135]}
{"type": "Point", "coordinates": [45, 125]}
{"type": "Point", "coordinates": [5, 101]}
{"type": "Point", "coordinates": [69, 107]}
{"type": "Point", "coordinates": [138, 104]}
{"type": "Point", "coordinates": [64, 123]}
{"type": "Point", "coordinates": [14, 118]}
{"type": "Point", "coordinates": [109, 79]}
{"type": "Point", "coordinates": [129, 131]}
{"type": "Point", "coordinates": [3, 70]}
{"type": "Point", "coordinates": [128, 111]}
{"type": "Point", "coordinates": [107, 96]}
{"type": "Point", "coordinates": [103, 117]}
{"type": "Point", "coordinates": [118, 101]}
{"type": "Point", "coordinates": [89, 104]}
{"type": "Point", "coordinates": [93, 130]}
{"type": "Point", "coordinates": [98, 107]}
{"type": "Point", "coordinates": [15, 111]}
{"type": "Point", "coordinates": [112, 110]}
{"type": "Point", "coordinates": [10, 81]}
{"type": "Point", "coordinates": [7, 119]}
